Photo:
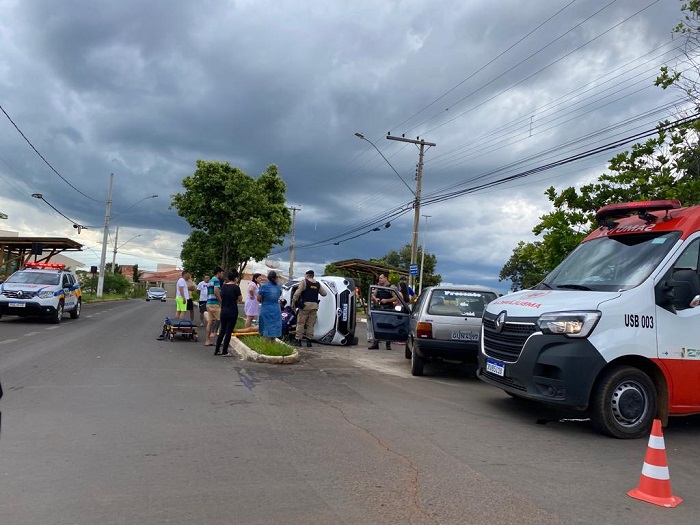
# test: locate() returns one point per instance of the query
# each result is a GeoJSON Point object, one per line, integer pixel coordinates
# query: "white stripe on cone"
{"type": "Point", "coordinates": [655, 472]}
{"type": "Point", "coordinates": [657, 442]}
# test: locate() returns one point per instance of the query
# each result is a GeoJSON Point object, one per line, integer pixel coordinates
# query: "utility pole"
{"type": "Point", "coordinates": [291, 244]}
{"type": "Point", "coordinates": [114, 254]}
{"type": "Point", "coordinates": [101, 278]}
{"type": "Point", "coordinates": [422, 254]}
{"type": "Point", "coordinates": [416, 203]}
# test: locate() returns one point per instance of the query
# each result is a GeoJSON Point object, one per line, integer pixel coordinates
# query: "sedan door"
{"type": "Point", "coordinates": [389, 321]}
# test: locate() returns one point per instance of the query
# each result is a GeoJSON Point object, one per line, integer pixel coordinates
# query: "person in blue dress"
{"type": "Point", "coordinates": [270, 320]}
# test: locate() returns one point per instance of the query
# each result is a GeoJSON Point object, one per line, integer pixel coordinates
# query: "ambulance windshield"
{"type": "Point", "coordinates": [612, 263]}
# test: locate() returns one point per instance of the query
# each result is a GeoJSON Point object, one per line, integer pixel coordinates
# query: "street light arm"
{"type": "Point", "coordinates": [362, 137]}
{"type": "Point", "coordinates": [127, 242]}
{"type": "Point", "coordinates": [134, 204]}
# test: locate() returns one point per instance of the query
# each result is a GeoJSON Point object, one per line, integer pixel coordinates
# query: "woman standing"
{"type": "Point", "coordinates": [252, 306]}
{"type": "Point", "coordinates": [269, 294]}
{"type": "Point", "coordinates": [230, 297]}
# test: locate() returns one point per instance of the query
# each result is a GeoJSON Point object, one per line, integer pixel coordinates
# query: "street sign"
{"type": "Point", "coordinates": [413, 269]}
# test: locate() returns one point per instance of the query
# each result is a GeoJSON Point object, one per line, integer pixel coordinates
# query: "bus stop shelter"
{"type": "Point", "coordinates": [371, 267]}
{"type": "Point", "coordinates": [15, 252]}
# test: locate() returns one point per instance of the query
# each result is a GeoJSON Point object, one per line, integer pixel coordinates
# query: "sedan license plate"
{"type": "Point", "coordinates": [495, 367]}
{"type": "Point", "coordinates": [17, 305]}
{"type": "Point", "coordinates": [465, 336]}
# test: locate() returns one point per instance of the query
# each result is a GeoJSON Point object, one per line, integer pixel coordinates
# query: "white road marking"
{"type": "Point", "coordinates": [51, 327]}
{"type": "Point", "coordinates": [29, 334]}
{"type": "Point", "coordinates": [7, 341]}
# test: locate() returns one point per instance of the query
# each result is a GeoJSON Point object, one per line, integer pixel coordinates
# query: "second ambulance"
{"type": "Point", "coordinates": [614, 330]}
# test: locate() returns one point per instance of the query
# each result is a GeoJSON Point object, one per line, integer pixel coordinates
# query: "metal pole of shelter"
{"type": "Point", "coordinates": [108, 211]}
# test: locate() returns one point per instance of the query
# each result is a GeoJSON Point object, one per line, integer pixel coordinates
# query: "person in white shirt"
{"type": "Point", "coordinates": [182, 294]}
{"type": "Point", "coordinates": [203, 288]}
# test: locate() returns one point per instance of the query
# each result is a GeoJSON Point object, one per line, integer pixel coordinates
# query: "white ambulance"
{"type": "Point", "coordinates": [335, 322]}
{"type": "Point", "coordinates": [614, 330]}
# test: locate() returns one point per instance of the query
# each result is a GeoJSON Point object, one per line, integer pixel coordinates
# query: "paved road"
{"type": "Point", "coordinates": [103, 424]}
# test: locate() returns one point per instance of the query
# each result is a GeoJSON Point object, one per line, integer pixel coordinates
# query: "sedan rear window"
{"type": "Point", "coordinates": [459, 303]}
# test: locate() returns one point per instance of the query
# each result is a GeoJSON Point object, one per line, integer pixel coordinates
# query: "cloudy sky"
{"type": "Point", "coordinates": [143, 89]}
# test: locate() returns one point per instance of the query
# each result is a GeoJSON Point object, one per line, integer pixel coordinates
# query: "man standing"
{"type": "Point", "coordinates": [190, 291]}
{"type": "Point", "coordinates": [203, 289]}
{"type": "Point", "coordinates": [213, 305]}
{"type": "Point", "coordinates": [182, 294]}
{"type": "Point", "coordinates": [381, 300]}
{"type": "Point", "coordinates": [405, 291]}
{"type": "Point", "coordinates": [308, 291]}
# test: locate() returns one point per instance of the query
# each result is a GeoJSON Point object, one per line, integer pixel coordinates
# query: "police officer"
{"type": "Point", "coordinates": [308, 291]}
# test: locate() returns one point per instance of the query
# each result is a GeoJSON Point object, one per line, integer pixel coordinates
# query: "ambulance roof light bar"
{"type": "Point", "coordinates": [44, 266]}
{"type": "Point", "coordinates": [641, 208]}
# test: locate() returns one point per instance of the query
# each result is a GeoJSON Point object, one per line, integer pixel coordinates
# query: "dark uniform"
{"type": "Point", "coordinates": [309, 293]}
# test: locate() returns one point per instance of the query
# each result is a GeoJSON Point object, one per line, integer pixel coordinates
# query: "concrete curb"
{"type": "Point", "coordinates": [248, 354]}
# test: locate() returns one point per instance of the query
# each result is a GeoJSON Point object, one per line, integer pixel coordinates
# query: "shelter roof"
{"type": "Point", "coordinates": [371, 267]}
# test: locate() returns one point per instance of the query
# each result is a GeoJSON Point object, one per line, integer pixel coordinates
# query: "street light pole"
{"type": "Point", "coordinates": [114, 254]}
{"type": "Point", "coordinates": [422, 255]}
{"type": "Point", "coordinates": [416, 202]}
{"type": "Point", "coordinates": [101, 277]}
{"type": "Point", "coordinates": [291, 243]}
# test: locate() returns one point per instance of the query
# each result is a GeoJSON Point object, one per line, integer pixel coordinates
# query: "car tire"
{"type": "Point", "coordinates": [148, 299]}
{"type": "Point", "coordinates": [624, 403]}
{"type": "Point", "coordinates": [75, 313]}
{"type": "Point", "coordinates": [417, 364]}
{"type": "Point", "coordinates": [58, 314]}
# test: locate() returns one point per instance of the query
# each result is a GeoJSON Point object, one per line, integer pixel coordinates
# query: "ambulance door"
{"type": "Point", "coordinates": [678, 327]}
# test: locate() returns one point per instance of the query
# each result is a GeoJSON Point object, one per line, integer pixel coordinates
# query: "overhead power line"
{"type": "Point", "coordinates": [398, 211]}
{"type": "Point", "coordinates": [44, 159]}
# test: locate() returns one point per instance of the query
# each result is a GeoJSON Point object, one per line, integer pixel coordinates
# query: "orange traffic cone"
{"type": "Point", "coordinates": [655, 482]}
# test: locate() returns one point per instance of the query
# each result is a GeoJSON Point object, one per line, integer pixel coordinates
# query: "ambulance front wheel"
{"type": "Point", "coordinates": [624, 403]}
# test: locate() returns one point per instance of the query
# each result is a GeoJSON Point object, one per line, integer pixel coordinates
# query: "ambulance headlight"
{"type": "Point", "coordinates": [570, 324]}
{"type": "Point", "coordinates": [45, 295]}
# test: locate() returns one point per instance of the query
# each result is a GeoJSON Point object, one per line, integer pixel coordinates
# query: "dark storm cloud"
{"type": "Point", "coordinates": [144, 89]}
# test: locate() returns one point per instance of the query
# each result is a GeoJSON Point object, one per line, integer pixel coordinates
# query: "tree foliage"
{"type": "Point", "coordinates": [234, 216]}
{"type": "Point", "coordinates": [402, 259]}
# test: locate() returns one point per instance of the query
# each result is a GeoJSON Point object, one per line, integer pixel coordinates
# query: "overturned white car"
{"type": "Point", "coordinates": [335, 324]}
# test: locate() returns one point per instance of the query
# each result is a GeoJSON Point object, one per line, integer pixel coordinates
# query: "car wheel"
{"type": "Point", "coordinates": [624, 403]}
{"type": "Point", "coordinates": [75, 313]}
{"type": "Point", "coordinates": [58, 314]}
{"type": "Point", "coordinates": [148, 299]}
{"type": "Point", "coordinates": [417, 364]}
{"type": "Point", "coordinates": [408, 349]}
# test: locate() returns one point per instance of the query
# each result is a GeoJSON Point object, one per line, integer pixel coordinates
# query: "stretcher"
{"type": "Point", "coordinates": [182, 329]}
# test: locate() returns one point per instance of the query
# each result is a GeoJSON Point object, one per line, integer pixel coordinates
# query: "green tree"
{"type": "Point", "coordinates": [135, 273]}
{"type": "Point", "coordinates": [656, 169]}
{"type": "Point", "coordinates": [113, 282]}
{"type": "Point", "coordinates": [234, 216]}
{"type": "Point", "coordinates": [402, 259]}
